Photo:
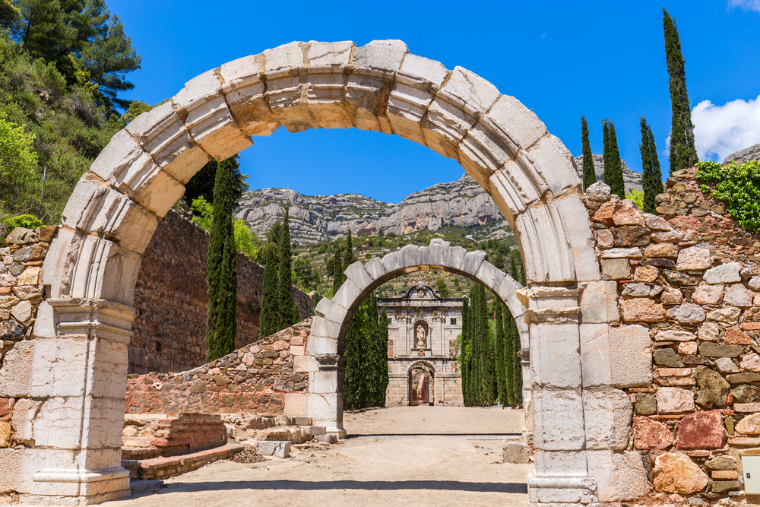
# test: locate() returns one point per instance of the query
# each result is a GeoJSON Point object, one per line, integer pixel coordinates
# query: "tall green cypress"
{"type": "Point", "coordinates": [513, 340]}
{"type": "Point", "coordinates": [284, 278]}
{"type": "Point", "coordinates": [613, 167]}
{"type": "Point", "coordinates": [509, 364]}
{"type": "Point", "coordinates": [221, 272]}
{"type": "Point", "coordinates": [475, 376]}
{"type": "Point", "coordinates": [374, 357]}
{"type": "Point", "coordinates": [383, 334]}
{"type": "Point", "coordinates": [683, 153]}
{"type": "Point", "coordinates": [606, 175]}
{"type": "Point", "coordinates": [486, 357]}
{"type": "Point", "coordinates": [348, 256]}
{"type": "Point", "coordinates": [338, 276]}
{"type": "Point", "coordinates": [589, 175]}
{"type": "Point", "coordinates": [518, 378]}
{"type": "Point", "coordinates": [268, 312]}
{"type": "Point", "coordinates": [464, 352]}
{"type": "Point", "coordinates": [499, 357]}
{"type": "Point", "coordinates": [652, 177]}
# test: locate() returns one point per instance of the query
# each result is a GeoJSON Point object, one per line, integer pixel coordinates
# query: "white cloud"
{"type": "Point", "coordinates": [752, 5]}
{"type": "Point", "coordinates": [722, 130]}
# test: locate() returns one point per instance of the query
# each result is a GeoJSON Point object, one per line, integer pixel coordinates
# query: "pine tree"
{"type": "Point", "coordinates": [268, 312]}
{"type": "Point", "coordinates": [589, 175]}
{"type": "Point", "coordinates": [613, 167]}
{"type": "Point", "coordinates": [221, 272]}
{"type": "Point", "coordinates": [683, 153]}
{"type": "Point", "coordinates": [652, 177]}
{"type": "Point", "coordinates": [284, 277]}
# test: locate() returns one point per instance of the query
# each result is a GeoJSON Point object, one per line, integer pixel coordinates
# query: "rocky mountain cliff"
{"type": "Point", "coordinates": [462, 203]}
{"type": "Point", "coordinates": [631, 179]}
{"type": "Point", "coordinates": [745, 155]}
{"type": "Point", "coordinates": [459, 204]}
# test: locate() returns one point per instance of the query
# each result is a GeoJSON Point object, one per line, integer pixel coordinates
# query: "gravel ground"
{"type": "Point", "coordinates": [422, 456]}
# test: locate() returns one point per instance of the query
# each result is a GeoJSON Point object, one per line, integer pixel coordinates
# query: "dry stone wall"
{"type": "Point", "coordinates": [688, 284]}
{"type": "Point", "coordinates": [253, 379]}
{"type": "Point", "coordinates": [169, 329]}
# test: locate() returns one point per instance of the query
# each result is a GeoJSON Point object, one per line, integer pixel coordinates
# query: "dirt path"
{"type": "Point", "coordinates": [399, 456]}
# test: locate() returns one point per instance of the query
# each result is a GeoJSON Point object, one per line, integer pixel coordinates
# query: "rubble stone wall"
{"type": "Point", "coordinates": [254, 378]}
{"type": "Point", "coordinates": [688, 282]}
{"type": "Point", "coordinates": [171, 303]}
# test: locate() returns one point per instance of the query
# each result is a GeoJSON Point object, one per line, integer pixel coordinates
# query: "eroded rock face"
{"type": "Point", "coordinates": [701, 430]}
{"type": "Point", "coordinates": [676, 473]}
{"type": "Point", "coordinates": [750, 425]}
{"type": "Point", "coordinates": [650, 435]}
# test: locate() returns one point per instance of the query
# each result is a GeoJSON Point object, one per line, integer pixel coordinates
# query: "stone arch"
{"type": "Point", "coordinates": [430, 370]}
{"type": "Point", "coordinates": [83, 327]}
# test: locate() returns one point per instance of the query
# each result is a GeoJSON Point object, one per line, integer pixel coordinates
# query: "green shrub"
{"type": "Point", "coordinates": [737, 185]}
{"type": "Point", "coordinates": [25, 221]}
{"type": "Point", "coordinates": [637, 196]}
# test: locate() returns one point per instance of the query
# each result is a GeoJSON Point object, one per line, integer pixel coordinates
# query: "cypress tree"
{"type": "Point", "coordinates": [683, 153]}
{"type": "Point", "coordinates": [374, 356]}
{"type": "Point", "coordinates": [383, 334]}
{"type": "Point", "coordinates": [589, 175]}
{"type": "Point", "coordinates": [464, 352]}
{"type": "Point", "coordinates": [652, 177]}
{"type": "Point", "coordinates": [613, 167]}
{"type": "Point", "coordinates": [509, 364]}
{"type": "Point", "coordinates": [338, 276]}
{"type": "Point", "coordinates": [348, 256]}
{"type": "Point", "coordinates": [486, 359]}
{"type": "Point", "coordinates": [499, 357]}
{"type": "Point", "coordinates": [221, 272]}
{"type": "Point", "coordinates": [284, 280]}
{"type": "Point", "coordinates": [606, 175]}
{"type": "Point", "coordinates": [475, 390]}
{"type": "Point", "coordinates": [268, 312]}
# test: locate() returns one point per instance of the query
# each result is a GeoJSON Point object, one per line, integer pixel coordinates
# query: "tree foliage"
{"type": "Point", "coordinates": [589, 175]}
{"type": "Point", "coordinates": [268, 311]}
{"type": "Point", "coordinates": [683, 153]}
{"type": "Point", "coordinates": [202, 183]}
{"type": "Point", "coordinates": [18, 160]}
{"type": "Point", "coordinates": [221, 272]}
{"type": "Point", "coordinates": [246, 242]}
{"type": "Point", "coordinates": [613, 166]}
{"type": "Point", "coordinates": [284, 277]}
{"type": "Point", "coordinates": [652, 177]}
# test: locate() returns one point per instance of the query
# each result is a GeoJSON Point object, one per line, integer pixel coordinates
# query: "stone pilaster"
{"type": "Point", "coordinates": [326, 393]}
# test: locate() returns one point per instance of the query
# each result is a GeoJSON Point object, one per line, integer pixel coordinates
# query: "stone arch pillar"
{"type": "Point", "coordinates": [77, 363]}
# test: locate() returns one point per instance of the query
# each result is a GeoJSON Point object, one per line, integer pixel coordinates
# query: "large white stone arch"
{"type": "Point", "coordinates": [325, 399]}
{"type": "Point", "coordinates": [79, 360]}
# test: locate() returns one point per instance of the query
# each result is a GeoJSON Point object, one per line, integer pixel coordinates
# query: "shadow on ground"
{"type": "Point", "coordinates": [492, 487]}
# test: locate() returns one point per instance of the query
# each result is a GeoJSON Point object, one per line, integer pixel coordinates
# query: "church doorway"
{"type": "Point", "coordinates": [421, 379]}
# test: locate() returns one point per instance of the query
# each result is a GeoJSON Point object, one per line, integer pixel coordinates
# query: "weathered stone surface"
{"type": "Point", "coordinates": [745, 393]}
{"type": "Point", "coordinates": [674, 400]}
{"type": "Point", "coordinates": [710, 349]}
{"type": "Point", "coordinates": [622, 253]}
{"type": "Point", "coordinates": [647, 274]}
{"type": "Point", "coordinates": [678, 278]}
{"type": "Point", "coordinates": [708, 295]}
{"type": "Point", "coordinates": [728, 315]}
{"type": "Point", "coordinates": [615, 269]}
{"type": "Point", "coordinates": [750, 362]}
{"type": "Point", "coordinates": [702, 430]}
{"type": "Point", "coordinates": [630, 356]}
{"type": "Point", "coordinates": [637, 290]}
{"type": "Point", "coordinates": [620, 477]}
{"type": "Point", "coordinates": [676, 473]}
{"type": "Point", "coordinates": [723, 462]}
{"type": "Point", "coordinates": [750, 425]}
{"type": "Point", "coordinates": [671, 296]}
{"type": "Point", "coordinates": [738, 295]}
{"type": "Point", "coordinates": [650, 435]}
{"type": "Point", "coordinates": [646, 404]}
{"type": "Point", "coordinates": [736, 336]}
{"type": "Point", "coordinates": [665, 250]}
{"type": "Point", "coordinates": [607, 419]}
{"type": "Point", "coordinates": [688, 348]}
{"type": "Point", "coordinates": [726, 365]}
{"type": "Point", "coordinates": [667, 357]}
{"type": "Point", "coordinates": [687, 314]}
{"type": "Point", "coordinates": [754, 283]}
{"type": "Point", "coordinates": [693, 259]}
{"type": "Point", "coordinates": [675, 335]}
{"type": "Point", "coordinates": [599, 191]}
{"type": "Point", "coordinates": [515, 452]}
{"type": "Point", "coordinates": [743, 378]}
{"type": "Point", "coordinates": [713, 388]}
{"type": "Point", "coordinates": [709, 331]}
{"type": "Point", "coordinates": [725, 273]}
{"type": "Point", "coordinates": [632, 235]}
{"type": "Point", "coordinates": [281, 449]}
{"type": "Point", "coordinates": [643, 310]}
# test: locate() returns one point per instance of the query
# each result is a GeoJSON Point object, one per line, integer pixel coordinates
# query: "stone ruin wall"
{"type": "Point", "coordinates": [171, 303]}
{"type": "Point", "coordinates": [688, 286]}
{"type": "Point", "coordinates": [254, 379]}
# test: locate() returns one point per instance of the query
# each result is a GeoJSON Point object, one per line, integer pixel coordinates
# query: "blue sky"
{"type": "Point", "coordinates": [561, 58]}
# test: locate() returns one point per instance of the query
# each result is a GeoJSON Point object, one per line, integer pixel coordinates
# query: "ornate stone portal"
{"type": "Point", "coordinates": [422, 330]}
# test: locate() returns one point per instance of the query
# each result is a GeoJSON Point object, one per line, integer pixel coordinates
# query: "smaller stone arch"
{"type": "Point", "coordinates": [429, 370]}
{"type": "Point", "coordinates": [325, 403]}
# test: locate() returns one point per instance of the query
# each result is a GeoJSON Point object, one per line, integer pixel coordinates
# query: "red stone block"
{"type": "Point", "coordinates": [5, 406]}
{"type": "Point", "coordinates": [650, 435]}
{"type": "Point", "coordinates": [702, 430]}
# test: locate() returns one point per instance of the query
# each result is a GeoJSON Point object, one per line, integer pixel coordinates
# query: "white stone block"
{"type": "Point", "coordinates": [454, 258]}
{"type": "Point", "coordinates": [490, 276]}
{"type": "Point", "coordinates": [555, 463]}
{"type": "Point", "coordinates": [325, 382]}
{"type": "Point", "coordinates": [357, 274]}
{"type": "Point", "coordinates": [484, 148]}
{"type": "Point", "coordinates": [473, 261]}
{"type": "Point", "coordinates": [59, 422]}
{"type": "Point", "coordinates": [326, 410]}
{"type": "Point", "coordinates": [287, 56]}
{"type": "Point", "coordinates": [599, 302]}
{"type": "Point", "coordinates": [102, 416]}
{"type": "Point", "coordinates": [630, 356]}
{"type": "Point", "coordinates": [330, 53]}
{"type": "Point", "coordinates": [305, 364]}
{"type": "Point", "coordinates": [607, 419]}
{"type": "Point", "coordinates": [544, 245]}
{"type": "Point", "coordinates": [348, 295]}
{"type": "Point", "coordinates": [244, 92]}
{"type": "Point", "coordinates": [281, 449]}
{"type": "Point", "coordinates": [619, 476]}
{"type": "Point", "coordinates": [555, 359]}
{"type": "Point", "coordinates": [558, 420]}
{"type": "Point", "coordinates": [162, 133]}
{"type": "Point", "coordinates": [517, 122]}
{"type": "Point", "coordinates": [16, 370]}
{"type": "Point", "coordinates": [319, 345]}
{"type": "Point", "coordinates": [325, 328]}
{"type": "Point", "coordinates": [324, 97]}
{"type": "Point", "coordinates": [407, 256]}
{"type": "Point", "coordinates": [595, 355]}
{"type": "Point", "coordinates": [96, 208]}
{"type": "Point", "coordinates": [553, 166]}
{"type": "Point", "coordinates": [108, 365]}
{"type": "Point", "coordinates": [391, 262]}
{"type": "Point", "coordinates": [381, 54]}
{"type": "Point", "coordinates": [23, 418]}
{"type": "Point", "coordinates": [60, 367]}
{"type": "Point", "coordinates": [471, 89]}
{"type": "Point", "coordinates": [328, 309]}
{"type": "Point", "coordinates": [375, 268]}
{"type": "Point", "coordinates": [577, 230]}
{"type": "Point", "coordinates": [423, 68]}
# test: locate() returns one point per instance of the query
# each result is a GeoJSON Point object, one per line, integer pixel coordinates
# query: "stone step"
{"type": "Point", "coordinates": [137, 442]}
{"type": "Point", "coordinates": [139, 487]}
{"type": "Point", "coordinates": [163, 468]}
{"type": "Point", "coordinates": [129, 453]}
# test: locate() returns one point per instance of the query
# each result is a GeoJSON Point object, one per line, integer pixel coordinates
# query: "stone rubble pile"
{"type": "Point", "coordinates": [688, 281]}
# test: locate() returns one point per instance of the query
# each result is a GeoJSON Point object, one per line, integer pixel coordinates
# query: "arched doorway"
{"type": "Point", "coordinates": [421, 384]}
{"type": "Point", "coordinates": [83, 327]}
